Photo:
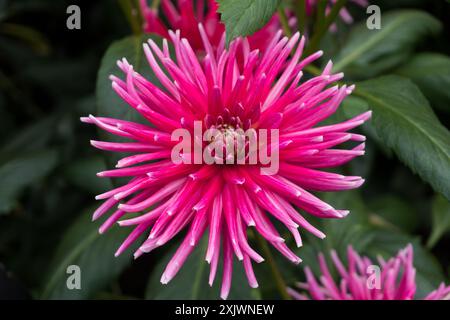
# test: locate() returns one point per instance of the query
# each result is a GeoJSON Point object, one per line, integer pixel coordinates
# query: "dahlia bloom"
{"type": "Point", "coordinates": [344, 14]}
{"type": "Point", "coordinates": [185, 15]}
{"type": "Point", "coordinates": [356, 282]}
{"type": "Point", "coordinates": [264, 90]}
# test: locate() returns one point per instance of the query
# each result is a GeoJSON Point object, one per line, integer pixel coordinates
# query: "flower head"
{"type": "Point", "coordinates": [360, 281]}
{"type": "Point", "coordinates": [262, 91]}
{"type": "Point", "coordinates": [185, 15]}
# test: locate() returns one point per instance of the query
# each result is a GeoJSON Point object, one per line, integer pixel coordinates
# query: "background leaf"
{"type": "Point", "coordinates": [22, 171]}
{"type": "Point", "coordinates": [82, 173]}
{"type": "Point", "coordinates": [83, 246]}
{"type": "Point", "coordinates": [440, 219]}
{"type": "Point", "coordinates": [367, 53]}
{"type": "Point", "coordinates": [30, 138]}
{"type": "Point", "coordinates": [405, 123]}
{"type": "Point", "coordinates": [244, 17]}
{"type": "Point", "coordinates": [431, 72]}
{"type": "Point", "coordinates": [395, 211]}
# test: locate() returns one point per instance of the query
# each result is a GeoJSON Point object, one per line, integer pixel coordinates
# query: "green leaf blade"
{"type": "Point", "coordinates": [440, 218]}
{"type": "Point", "coordinates": [93, 253]}
{"type": "Point", "coordinates": [22, 171]}
{"type": "Point", "coordinates": [369, 52]}
{"type": "Point", "coordinates": [431, 73]}
{"type": "Point", "coordinates": [405, 122]}
{"type": "Point", "coordinates": [244, 17]}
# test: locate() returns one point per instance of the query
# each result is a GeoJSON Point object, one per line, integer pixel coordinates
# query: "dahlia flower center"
{"type": "Point", "coordinates": [228, 141]}
{"type": "Point", "coordinates": [227, 133]}
{"type": "Point", "coordinates": [226, 137]}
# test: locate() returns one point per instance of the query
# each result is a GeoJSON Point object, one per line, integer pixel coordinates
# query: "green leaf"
{"type": "Point", "coordinates": [431, 72]}
{"type": "Point", "coordinates": [83, 246]}
{"type": "Point", "coordinates": [82, 173]}
{"type": "Point", "coordinates": [396, 211]}
{"type": "Point", "coordinates": [351, 230]}
{"type": "Point", "coordinates": [244, 17]}
{"type": "Point", "coordinates": [441, 220]}
{"type": "Point", "coordinates": [369, 52]}
{"type": "Point", "coordinates": [34, 38]}
{"type": "Point", "coordinates": [191, 282]}
{"type": "Point", "coordinates": [405, 122]}
{"type": "Point", "coordinates": [7, 120]}
{"type": "Point", "coordinates": [30, 138]}
{"type": "Point", "coordinates": [19, 173]}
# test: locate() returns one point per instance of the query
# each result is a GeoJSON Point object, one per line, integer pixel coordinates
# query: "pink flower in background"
{"type": "Point", "coordinates": [358, 282]}
{"type": "Point", "coordinates": [185, 15]}
{"type": "Point", "coordinates": [344, 14]}
{"type": "Point", "coordinates": [264, 90]}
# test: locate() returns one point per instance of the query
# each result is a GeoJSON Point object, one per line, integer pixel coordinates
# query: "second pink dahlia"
{"type": "Point", "coordinates": [262, 90]}
{"type": "Point", "coordinates": [359, 280]}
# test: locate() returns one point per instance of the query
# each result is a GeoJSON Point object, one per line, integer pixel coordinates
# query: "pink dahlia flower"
{"type": "Point", "coordinates": [359, 282]}
{"type": "Point", "coordinates": [344, 14]}
{"type": "Point", "coordinates": [185, 15]}
{"type": "Point", "coordinates": [265, 91]}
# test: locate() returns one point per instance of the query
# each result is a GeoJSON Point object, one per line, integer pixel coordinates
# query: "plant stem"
{"type": "Point", "coordinates": [132, 13]}
{"type": "Point", "coordinates": [300, 12]}
{"type": "Point", "coordinates": [313, 70]}
{"type": "Point", "coordinates": [379, 221]}
{"type": "Point", "coordinates": [278, 278]}
{"type": "Point", "coordinates": [320, 14]}
{"type": "Point", "coordinates": [321, 31]}
{"type": "Point", "coordinates": [284, 21]}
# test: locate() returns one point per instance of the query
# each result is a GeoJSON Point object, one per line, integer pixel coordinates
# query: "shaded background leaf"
{"type": "Point", "coordinates": [440, 219]}
{"type": "Point", "coordinates": [431, 72]}
{"type": "Point", "coordinates": [406, 123]}
{"type": "Point", "coordinates": [22, 171]}
{"type": "Point", "coordinates": [367, 53]}
{"type": "Point", "coordinates": [93, 253]}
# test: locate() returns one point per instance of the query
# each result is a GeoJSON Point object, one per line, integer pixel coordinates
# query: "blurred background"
{"type": "Point", "coordinates": [47, 167]}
